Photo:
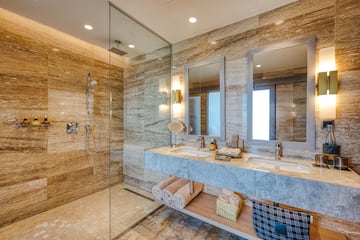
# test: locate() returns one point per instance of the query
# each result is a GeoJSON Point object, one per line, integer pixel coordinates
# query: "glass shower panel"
{"type": "Point", "coordinates": [60, 168]}
{"type": "Point", "coordinates": [140, 112]}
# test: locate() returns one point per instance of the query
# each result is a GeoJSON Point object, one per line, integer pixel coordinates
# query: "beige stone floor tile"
{"type": "Point", "coordinates": [86, 218]}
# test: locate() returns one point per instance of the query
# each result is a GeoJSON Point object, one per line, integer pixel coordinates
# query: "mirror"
{"type": "Point", "coordinates": [281, 90]}
{"type": "Point", "coordinates": [204, 97]}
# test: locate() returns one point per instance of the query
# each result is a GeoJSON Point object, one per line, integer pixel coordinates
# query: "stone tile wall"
{"type": "Point", "coordinates": [44, 72]}
{"type": "Point", "coordinates": [147, 113]}
{"type": "Point", "coordinates": [333, 22]}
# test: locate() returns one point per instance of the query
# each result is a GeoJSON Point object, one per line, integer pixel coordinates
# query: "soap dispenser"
{"type": "Point", "coordinates": [212, 146]}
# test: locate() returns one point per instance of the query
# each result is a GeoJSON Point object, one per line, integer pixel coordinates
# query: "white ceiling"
{"type": "Point", "coordinates": [167, 18]}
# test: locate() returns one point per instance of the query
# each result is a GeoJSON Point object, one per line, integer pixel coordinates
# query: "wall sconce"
{"type": "Point", "coordinates": [176, 96]}
{"type": "Point", "coordinates": [177, 104]}
{"type": "Point", "coordinates": [176, 90]}
{"type": "Point", "coordinates": [327, 83]}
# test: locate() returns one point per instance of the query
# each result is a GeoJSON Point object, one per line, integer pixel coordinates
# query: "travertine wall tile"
{"type": "Point", "coordinates": [347, 35]}
{"type": "Point", "coordinates": [44, 72]}
{"type": "Point", "coordinates": [21, 168]}
{"type": "Point", "coordinates": [20, 195]}
{"type": "Point", "coordinates": [146, 113]}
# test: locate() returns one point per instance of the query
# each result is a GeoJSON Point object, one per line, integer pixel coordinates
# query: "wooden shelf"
{"type": "Point", "coordinates": [203, 207]}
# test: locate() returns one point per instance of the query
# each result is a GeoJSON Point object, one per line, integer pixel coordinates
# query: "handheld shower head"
{"type": "Point", "coordinates": [92, 82]}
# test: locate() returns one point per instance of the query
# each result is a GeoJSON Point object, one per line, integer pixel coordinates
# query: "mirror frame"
{"type": "Point", "coordinates": [310, 103]}
{"type": "Point", "coordinates": [220, 60]}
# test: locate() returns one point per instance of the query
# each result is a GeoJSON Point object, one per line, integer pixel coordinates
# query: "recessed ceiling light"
{"type": "Point", "coordinates": [213, 42]}
{"type": "Point", "coordinates": [88, 27]}
{"type": "Point", "coordinates": [55, 49]}
{"type": "Point", "coordinates": [131, 46]}
{"type": "Point", "coordinates": [192, 20]}
{"type": "Point", "coordinates": [258, 66]}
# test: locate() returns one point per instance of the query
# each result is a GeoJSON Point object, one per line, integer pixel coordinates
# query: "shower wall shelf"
{"type": "Point", "coordinates": [18, 125]}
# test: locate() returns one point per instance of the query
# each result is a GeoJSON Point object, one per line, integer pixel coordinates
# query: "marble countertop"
{"type": "Point", "coordinates": [333, 176]}
{"type": "Point", "coordinates": [326, 191]}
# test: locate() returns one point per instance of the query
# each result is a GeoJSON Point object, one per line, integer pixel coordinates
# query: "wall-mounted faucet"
{"type": "Point", "coordinates": [277, 151]}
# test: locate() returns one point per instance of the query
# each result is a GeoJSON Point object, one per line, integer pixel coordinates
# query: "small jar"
{"type": "Point", "coordinates": [25, 122]}
{"type": "Point", "coordinates": [45, 122]}
{"type": "Point", "coordinates": [212, 146]}
{"type": "Point", "coordinates": [36, 121]}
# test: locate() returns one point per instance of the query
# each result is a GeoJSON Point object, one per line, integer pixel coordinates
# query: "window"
{"type": "Point", "coordinates": [263, 125]}
{"type": "Point", "coordinates": [213, 124]}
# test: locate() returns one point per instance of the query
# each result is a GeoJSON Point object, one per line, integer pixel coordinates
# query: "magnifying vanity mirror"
{"type": "Point", "coordinates": [204, 97]}
{"type": "Point", "coordinates": [281, 91]}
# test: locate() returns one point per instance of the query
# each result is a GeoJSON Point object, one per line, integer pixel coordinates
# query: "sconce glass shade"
{"type": "Point", "coordinates": [327, 106]}
{"type": "Point", "coordinates": [176, 96]}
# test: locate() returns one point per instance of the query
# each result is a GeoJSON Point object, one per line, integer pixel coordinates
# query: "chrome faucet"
{"type": "Point", "coordinates": [202, 142]}
{"type": "Point", "coordinates": [277, 151]}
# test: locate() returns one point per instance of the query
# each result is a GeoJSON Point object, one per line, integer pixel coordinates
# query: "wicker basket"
{"type": "Point", "coordinates": [227, 210]}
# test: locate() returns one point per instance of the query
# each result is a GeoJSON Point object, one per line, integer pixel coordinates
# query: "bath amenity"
{"type": "Point", "coordinates": [231, 152]}
{"type": "Point", "coordinates": [157, 190]}
{"type": "Point", "coordinates": [171, 189]}
{"type": "Point", "coordinates": [182, 197]}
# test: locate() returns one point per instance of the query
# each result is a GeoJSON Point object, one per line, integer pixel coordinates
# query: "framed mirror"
{"type": "Point", "coordinates": [204, 98]}
{"type": "Point", "coordinates": [281, 92]}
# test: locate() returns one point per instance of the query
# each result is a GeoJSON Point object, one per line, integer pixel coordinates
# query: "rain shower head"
{"type": "Point", "coordinates": [116, 49]}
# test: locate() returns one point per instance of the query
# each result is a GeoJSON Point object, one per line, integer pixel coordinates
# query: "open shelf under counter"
{"type": "Point", "coordinates": [203, 207]}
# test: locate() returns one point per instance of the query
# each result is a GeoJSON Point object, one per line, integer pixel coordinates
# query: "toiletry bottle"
{"type": "Point", "coordinates": [212, 146]}
{"type": "Point", "coordinates": [36, 121]}
{"type": "Point", "coordinates": [25, 122]}
{"type": "Point", "coordinates": [45, 122]}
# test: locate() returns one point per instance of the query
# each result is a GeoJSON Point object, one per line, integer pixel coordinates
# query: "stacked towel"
{"type": "Point", "coordinates": [227, 192]}
{"type": "Point", "coordinates": [158, 188]}
{"type": "Point", "coordinates": [234, 199]}
{"type": "Point", "coordinates": [171, 189]}
{"type": "Point", "coordinates": [232, 152]}
{"type": "Point", "coordinates": [230, 197]}
{"type": "Point", "coordinates": [183, 196]}
{"type": "Point", "coordinates": [224, 198]}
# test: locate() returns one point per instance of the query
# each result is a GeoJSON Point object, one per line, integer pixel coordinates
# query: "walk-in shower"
{"type": "Point", "coordinates": [66, 180]}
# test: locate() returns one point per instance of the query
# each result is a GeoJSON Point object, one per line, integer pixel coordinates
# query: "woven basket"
{"type": "Point", "coordinates": [227, 210]}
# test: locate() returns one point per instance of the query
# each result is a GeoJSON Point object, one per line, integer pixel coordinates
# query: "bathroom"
{"type": "Point", "coordinates": [45, 72]}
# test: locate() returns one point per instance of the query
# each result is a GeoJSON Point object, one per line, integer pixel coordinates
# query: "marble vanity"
{"type": "Point", "coordinates": [292, 182]}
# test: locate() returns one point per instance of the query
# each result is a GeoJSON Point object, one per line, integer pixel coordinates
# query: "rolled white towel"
{"type": "Point", "coordinates": [234, 199]}
{"type": "Point", "coordinates": [183, 196]}
{"type": "Point", "coordinates": [232, 152]}
{"type": "Point", "coordinates": [158, 188]}
{"type": "Point", "coordinates": [171, 189]}
{"type": "Point", "coordinates": [224, 198]}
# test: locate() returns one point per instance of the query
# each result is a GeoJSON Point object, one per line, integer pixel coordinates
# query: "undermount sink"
{"type": "Point", "coordinates": [192, 152]}
{"type": "Point", "coordinates": [260, 163]}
